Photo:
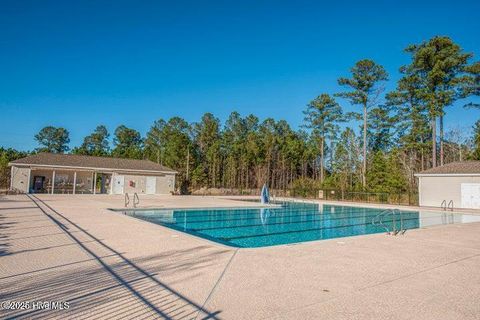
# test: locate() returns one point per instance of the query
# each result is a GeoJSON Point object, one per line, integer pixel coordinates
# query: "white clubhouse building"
{"type": "Point", "coordinates": [78, 174]}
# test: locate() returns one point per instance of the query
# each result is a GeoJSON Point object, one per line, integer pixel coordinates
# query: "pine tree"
{"type": "Point", "coordinates": [385, 174]}
{"type": "Point", "coordinates": [471, 83]}
{"type": "Point", "coordinates": [346, 169]}
{"type": "Point", "coordinates": [442, 67]}
{"type": "Point", "coordinates": [475, 155]}
{"type": "Point", "coordinates": [95, 144]}
{"type": "Point", "coordinates": [207, 139]}
{"type": "Point", "coordinates": [381, 128]}
{"type": "Point", "coordinates": [53, 139]}
{"type": "Point", "coordinates": [412, 126]}
{"type": "Point", "coordinates": [128, 143]}
{"type": "Point", "coordinates": [366, 75]}
{"type": "Point", "coordinates": [378, 173]}
{"type": "Point", "coordinates": [322, 116]}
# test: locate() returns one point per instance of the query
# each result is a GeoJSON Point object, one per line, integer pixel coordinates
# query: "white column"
{"type": "Point", "coordinates": [11, 178]}
{"type": "Point", "coordinates": [111, 183]}
{"type": "Point", "coordinates": [53, 181]}
{"type": "Point", "coordinates": [29, 176]}
{"type": "Point", "coordinates": [74, 181]}
{"type": "Point", "coordinates": [95, 182]}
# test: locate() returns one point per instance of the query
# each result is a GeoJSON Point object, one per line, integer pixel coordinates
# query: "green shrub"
{"type": "Point", "coordinates": [305, 187]}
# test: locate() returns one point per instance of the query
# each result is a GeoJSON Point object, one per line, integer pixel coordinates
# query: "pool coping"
{"type": "Point", "coordinates": [311, 242]}
{"type": "Point", "coordinates": [271, 206]}
{"type": "Point", "coordinates": [230, 247]}
{"type": "Point", "coordinates": [174, 231]}
{"type": "Point", "coordinates": [383, 206]}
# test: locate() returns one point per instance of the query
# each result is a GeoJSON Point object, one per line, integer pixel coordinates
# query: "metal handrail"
{"type": "Point", "coordinates": [443, 205]}
{"type": "Point", "coordinates": [448, 206]}
{"type": "Point", "coordinates": [378, 220]}
{"type": "Point", "coordinates": [127, 200]}
{"type": "Point", "coordinates": [401, 230]}
{"type": "Point", "coordinates": [374, 219]}
{"type": "Point", "coordinates": [136, 200]}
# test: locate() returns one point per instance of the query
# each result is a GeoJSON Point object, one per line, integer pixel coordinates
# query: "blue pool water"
{"type": "Point", "coordinates": [289, 223]}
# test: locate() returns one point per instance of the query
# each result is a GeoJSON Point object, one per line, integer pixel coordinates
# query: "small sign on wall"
{"type": "Point", "coordinates": [131, 183]}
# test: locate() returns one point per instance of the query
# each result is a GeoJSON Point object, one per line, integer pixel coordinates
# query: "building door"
{"type": "Point", "coordinates": [470, 195]}
{"type": "Point", "coordinates": [38, 184]}
{"type": "Point", "coordinates": [118, 184]}
{"type": "Point", "coordinates": [151, 185]}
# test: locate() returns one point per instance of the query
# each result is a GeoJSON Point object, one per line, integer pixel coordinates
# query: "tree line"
{"type": "Point", "coordinates": [401, 133]}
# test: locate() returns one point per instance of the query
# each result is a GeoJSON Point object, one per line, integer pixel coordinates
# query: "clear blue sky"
{"type": "Point", "coordinates": [78, 64]}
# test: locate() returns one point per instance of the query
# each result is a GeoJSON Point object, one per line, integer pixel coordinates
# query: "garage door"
{"type": "Point", "coordinates": [471, 195]}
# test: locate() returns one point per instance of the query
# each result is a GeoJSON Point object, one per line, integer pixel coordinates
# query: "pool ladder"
{"type": "Point", "coordinates": [378, 220]}
{"type": "Point", "coordinates": [136, 200]}
{"type": "Point", "coordinates": [127, 200]}
{"type": "Point", "coordinates": [446, 206]}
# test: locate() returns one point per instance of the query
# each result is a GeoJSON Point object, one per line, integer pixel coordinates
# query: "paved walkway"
{"type": "Point", "coordinates": [107, 265]}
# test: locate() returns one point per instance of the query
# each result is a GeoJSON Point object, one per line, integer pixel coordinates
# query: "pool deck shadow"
{"type": "Point", "coordinates": [108, 265]}
{"type": "Point", "coordinates": [106, 285]}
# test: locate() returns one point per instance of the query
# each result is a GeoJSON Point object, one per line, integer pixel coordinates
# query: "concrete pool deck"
{"type": "Point", "coordinates": [108, 265]}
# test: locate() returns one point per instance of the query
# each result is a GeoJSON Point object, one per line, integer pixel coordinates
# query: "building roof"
{"type": "Point", "coordinates": [90, 162]}
{"type": "Point", "coordinates": [454, 168]}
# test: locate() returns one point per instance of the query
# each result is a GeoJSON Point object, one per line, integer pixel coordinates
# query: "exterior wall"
{"type": "Point", "coordinates": [165, 184]}
{"type": "Point", "coordinates": [433, 190]}
{"type": "Point", "coordinates": [136, 183]}
{"type": "Point", "coordinates": [139, 183]}
{"type": "Point", "coordinates": [20, 179]}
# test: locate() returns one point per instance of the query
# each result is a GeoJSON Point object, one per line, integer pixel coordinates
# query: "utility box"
{"type": "Point", "coordinates": [320, 194]}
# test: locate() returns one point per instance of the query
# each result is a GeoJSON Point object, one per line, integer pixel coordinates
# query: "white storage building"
{"type": "Point", "coordinates": [456, 183]}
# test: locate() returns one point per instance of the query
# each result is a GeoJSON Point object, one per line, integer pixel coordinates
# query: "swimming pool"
{"type": "Point", "coordinates": [292, 222]}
